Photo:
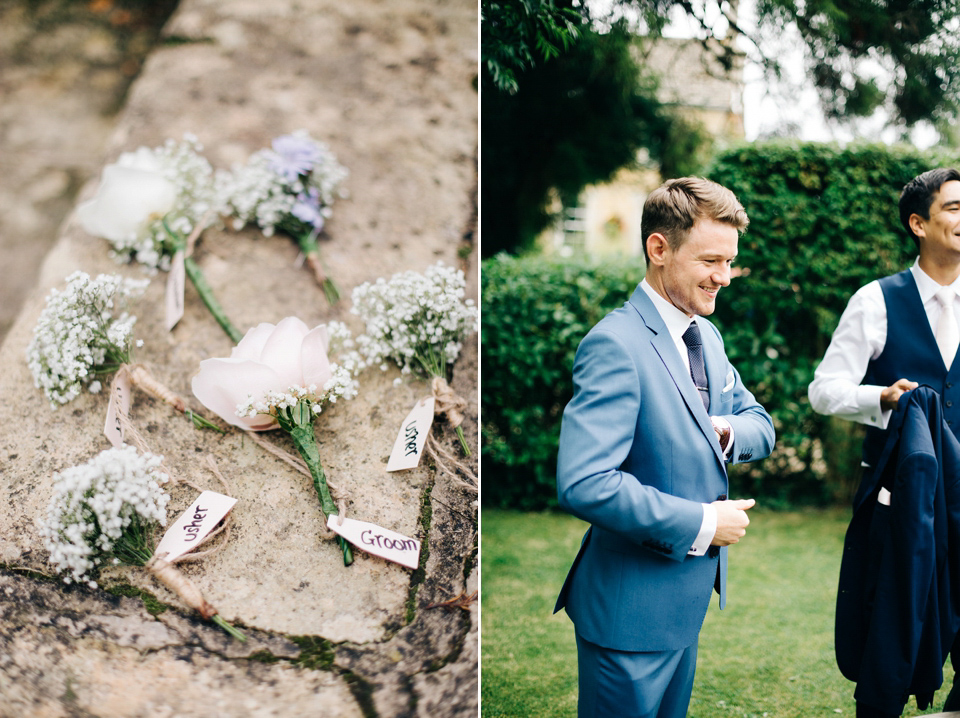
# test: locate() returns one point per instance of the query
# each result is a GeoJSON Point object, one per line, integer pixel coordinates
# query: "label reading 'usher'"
{"type": "Point", "coordinates": [408, 447]}
{"type": "Point", "coordinates": [194, 524]}
{"type": "Point", "coordinates": [119, 404]}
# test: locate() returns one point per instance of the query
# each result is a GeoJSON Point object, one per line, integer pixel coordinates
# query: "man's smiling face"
{"type": "Point", "coordinates": [940, 234]}
{"type": "Point", "coordinates": [693, 274]}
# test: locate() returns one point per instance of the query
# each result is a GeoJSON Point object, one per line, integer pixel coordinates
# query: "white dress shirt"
{"type": "Point", "coordinates": [859, 338]}
{"type": "Point", "coordinates": [677, 323]}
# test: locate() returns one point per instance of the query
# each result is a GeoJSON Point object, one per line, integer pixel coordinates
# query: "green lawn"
{"type": "Point", "coordinates": [769, 653]}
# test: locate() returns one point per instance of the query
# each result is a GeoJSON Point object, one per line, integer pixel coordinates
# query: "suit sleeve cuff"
{"type": "Point", "coordinates": [708, 529]}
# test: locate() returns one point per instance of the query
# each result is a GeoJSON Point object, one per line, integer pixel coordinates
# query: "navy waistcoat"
{"type": "Point", "coordinates": [910, 352]}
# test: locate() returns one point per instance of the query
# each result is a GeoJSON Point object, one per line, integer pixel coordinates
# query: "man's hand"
{"type": "Point", "coordinates": [731, 521]}
{"type": "Point", "coordinates": [891, 395]}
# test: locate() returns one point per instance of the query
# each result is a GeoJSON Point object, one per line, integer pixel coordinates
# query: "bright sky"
{"type": "Point", "coordinates": [793, 103]}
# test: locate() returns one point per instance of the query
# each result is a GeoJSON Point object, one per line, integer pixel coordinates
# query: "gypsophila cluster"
{"type": "Point", "coordinates": [341, 385]}
{"type": "Point", "coordinates": [415, 319]}
{"type": "Point", "coordinates": [289, 187]}
{"type": "Point", "coordinates": [95, 503]}
{"type": "Point", "coordinates": [77, 335]}
{"type": "Point", "coordinates": [192, 176]}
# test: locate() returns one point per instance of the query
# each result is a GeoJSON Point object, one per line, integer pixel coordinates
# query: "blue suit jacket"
{"type": "Point", "coordinates": [638, 455]}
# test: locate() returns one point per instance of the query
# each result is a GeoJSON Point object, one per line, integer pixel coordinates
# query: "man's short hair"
{"type": "Point", "coordinates": [675, 206]}
{"type": "Point", "coordinates": [917, 196]}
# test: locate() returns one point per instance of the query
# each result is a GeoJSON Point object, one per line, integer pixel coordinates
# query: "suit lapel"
{"type": "Point", "coordinates": [667, 351]}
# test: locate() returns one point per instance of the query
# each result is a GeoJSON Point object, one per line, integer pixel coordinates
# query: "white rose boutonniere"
{"type": "Point", "coordinates": [149, 202]}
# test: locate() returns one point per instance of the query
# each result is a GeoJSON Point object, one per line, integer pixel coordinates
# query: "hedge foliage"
{"type": "Point", "coordinates": [535, 312]}
{"type": "Point", "coordinates": [823, 222]}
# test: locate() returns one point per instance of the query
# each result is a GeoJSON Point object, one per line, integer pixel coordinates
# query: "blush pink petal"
{"type": "Point", "coordinates": [282, 351]}
{"type": "Point", "coordinates": [313, 355]}
{"type": "Point", "coordinates": [222, 384]}
{"type": "Point", "coordinates": [251, 346]}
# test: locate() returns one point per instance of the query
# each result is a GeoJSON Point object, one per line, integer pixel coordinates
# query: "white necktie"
{"type": "Point", "coordinates": [948, 335]}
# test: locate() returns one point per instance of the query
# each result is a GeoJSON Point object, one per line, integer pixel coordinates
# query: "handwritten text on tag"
{"type": "Point", "coordinates": [194, 524]}
{"type": "Point", "coordinates": [377, 540]}
{"type": "Point", "coordinates": [175, 282]}
{"type": "Point", "coordinates": [119, 403]}
{"type": "Point", "coordinates": [408, 447]}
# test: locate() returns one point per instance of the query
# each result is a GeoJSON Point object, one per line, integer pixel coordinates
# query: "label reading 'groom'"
{"type": "Point", "coordinates": [408, 447]}
{"type": "Point", "coordinates": [377, 540]}
{"type": "Point", "coordinates": [175, 282]}
{"type": "Point", "coordinates": [119, 403]}
{"type": "Point", "coordinates": [188, 531]}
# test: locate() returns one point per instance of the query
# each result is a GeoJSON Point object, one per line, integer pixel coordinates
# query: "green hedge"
{"type": "Point", "coordinates": [823, 222]}
{"type": "Point", "coordinates": [535, 312]}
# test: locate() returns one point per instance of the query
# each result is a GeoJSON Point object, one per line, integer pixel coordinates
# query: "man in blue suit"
{"type": "Point", "coordinates": [657, 412]}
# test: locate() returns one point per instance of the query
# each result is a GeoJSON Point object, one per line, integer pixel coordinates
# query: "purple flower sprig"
{"type": "Point", "coordinates": [289, 187]}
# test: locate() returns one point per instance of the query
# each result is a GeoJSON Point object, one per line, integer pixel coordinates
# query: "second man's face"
{"type": "Point", "coordinates": [694, 274]}
{"type": "Point", "coordinates": [940, 235]}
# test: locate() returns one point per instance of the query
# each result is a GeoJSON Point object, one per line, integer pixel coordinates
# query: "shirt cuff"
{"type": "Point", "coordinates": [708, 529]}
{"type": "Point", "coordinates": [722, 423]}
{"type": "Point", "coordinates": [868, 399]}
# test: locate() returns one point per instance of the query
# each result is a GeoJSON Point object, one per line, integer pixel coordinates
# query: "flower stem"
{"type": "Point", "coordinates": [311, 252]}
{"type": "Point", "coordinates": [463, 441]}
{"type": "Point", "coordinates": [235, 632]}
{"type": "Point", "coordinates": [206, 294]}
{"type": "Point", "coordinates": [306, 443]}
{"type": "Point", "coordinates": [199, 281]}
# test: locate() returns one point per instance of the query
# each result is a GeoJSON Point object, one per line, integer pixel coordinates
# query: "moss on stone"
{"type": "Point", "coordinates": [315, 653]}
{"type": "Point", "coordinates": [150, 602]}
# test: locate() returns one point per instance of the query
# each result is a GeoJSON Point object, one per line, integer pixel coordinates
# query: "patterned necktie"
{"type": "Point", "coordinates": [698, 372]}
{"type": "Point", "coordinates": [948, 335]}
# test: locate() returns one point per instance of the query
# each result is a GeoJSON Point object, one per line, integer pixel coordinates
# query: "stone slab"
{"type": "Point", "coordinates": [390, 87]}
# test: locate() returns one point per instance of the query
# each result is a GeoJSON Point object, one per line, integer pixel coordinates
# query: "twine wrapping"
{"type": "Point", "coordinates": [182, 586]}
{"type": "Point", "coordinates": [447, 463]}
{"type": "Point", "coordinates": [223, 528]}
{"type": "Point", "coordinates": [448, 402]}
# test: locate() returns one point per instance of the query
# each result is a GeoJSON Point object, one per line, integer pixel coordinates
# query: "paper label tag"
{"type": "Point", "coordinates": [194, 524]}
{"type": "Point", "coordinates": [119, 402]}
{"type": "Point", "coordinates": [378, 540]}
{"type": "Point", "coordinates": [176, 279]}
{"type": "Point", "coordinates": [408, 447]}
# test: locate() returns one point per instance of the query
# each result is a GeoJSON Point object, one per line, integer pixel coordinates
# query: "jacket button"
{"type": "Point", "coordinates": [722, 497]}
{"type": "Point", "coordinates": [949, 385]}
{"type": "Point", "coordinates": [949, 404]}
{"type": "Point", "coordinates": [713, 551]}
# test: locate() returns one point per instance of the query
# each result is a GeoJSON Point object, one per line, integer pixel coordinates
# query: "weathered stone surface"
{"type": "Point", "coordinates": [390, 87]}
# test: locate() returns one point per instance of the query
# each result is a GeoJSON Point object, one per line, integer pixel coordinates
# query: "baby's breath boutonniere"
{"type": "Point", "coordinates": [418, 321]}
{"type": "Point", "coordinates": [289, 187]}
{"type": "Point", "coordinates": [84, 333]}
{"type": "Point", "coordinates": [106, 512]}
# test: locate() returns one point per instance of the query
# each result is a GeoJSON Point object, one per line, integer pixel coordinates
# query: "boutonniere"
{"type": "Point", "coordinates": [419, 321]}
{"type": "Point", "coordinates": [84, 334]}
{"type": "Point", "coordinates": [151, 205]}
{"type": "Point", "coordinates": [290, 187]}
{"type": "Point", "coordinates": [281, 377]}
{"type": "Point", "coordinates": [106, 512]}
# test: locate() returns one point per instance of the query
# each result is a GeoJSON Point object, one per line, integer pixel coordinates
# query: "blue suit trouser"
{"type": "Point", "coordinates": [631, 684]}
